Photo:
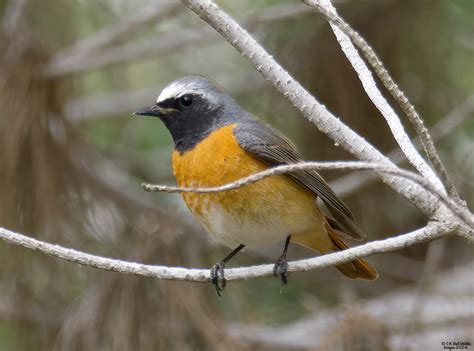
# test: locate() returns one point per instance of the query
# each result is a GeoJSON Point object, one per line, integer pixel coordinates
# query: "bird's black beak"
{"type": "Point", "coordinates": [154, 110]}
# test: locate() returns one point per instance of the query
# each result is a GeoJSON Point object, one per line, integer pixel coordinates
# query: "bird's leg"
{"type": "Point", "coordinates": [281, 266]}
{"type": "Point", "coordinates": [217, 271]}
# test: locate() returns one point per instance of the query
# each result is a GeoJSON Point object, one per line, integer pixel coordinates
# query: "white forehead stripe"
{"type": "Point", "coordinates": [178, 89]}
{"type": "Point", "coordinates": [190, 85]}
{"type": "Point", "coordinates": [170, 91]}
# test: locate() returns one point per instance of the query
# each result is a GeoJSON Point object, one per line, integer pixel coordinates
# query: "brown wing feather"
{"type": "Point", "coordinates": [274, 149]}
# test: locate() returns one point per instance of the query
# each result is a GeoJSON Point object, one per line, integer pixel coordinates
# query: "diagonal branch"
{"type": "Point", "coordinates": [430, 232]}
{"type": "Point", "coordinates": [104, 38]}
{"type": "Point", "coordinates": [349, 183]}
{"type": "Point", "coordinates": [370, 87]}
{"type": "Point", "coordinates": [328, 11]}
{"type": "Point", "coordinates": [72, 62]}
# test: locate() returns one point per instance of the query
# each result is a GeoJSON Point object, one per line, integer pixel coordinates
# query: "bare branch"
{"type": "Point", "coordinates": [456, 209]}
{"type": "Point", "coordinates": [430, 232]}
{"type": "Point", "coordinates": [90, 45]}
{"type": "Point", "coordinates": [166, 44]}
{"type": "Point", "coordinates": [328, 11]}
{"type": "Point", "coordinates": [349, 183]}
{"type": "Point", "coordinates": [370, 87]}
{"type": "Point", "coordinates": [128, 52]}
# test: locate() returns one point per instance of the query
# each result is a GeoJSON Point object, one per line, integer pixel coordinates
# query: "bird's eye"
{"type": "Point", "coordinates": [186, 100]}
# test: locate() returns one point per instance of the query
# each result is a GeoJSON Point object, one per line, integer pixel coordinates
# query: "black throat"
{"type": "Point", "coordinates": [189, 126]}
{"type": "Point", "coordinates": [187, 137]}
{"type": "Point", "coordinates": [188, 131]}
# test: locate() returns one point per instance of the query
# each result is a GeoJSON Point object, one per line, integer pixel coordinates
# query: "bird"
{"type": "Point", "coordinates": [216, 142]}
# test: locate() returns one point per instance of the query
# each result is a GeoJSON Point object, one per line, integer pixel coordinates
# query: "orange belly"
{"type": "Point", "coordinates": [253, 215]}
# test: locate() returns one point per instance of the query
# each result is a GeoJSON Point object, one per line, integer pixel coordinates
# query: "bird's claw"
{"type": "Point", "coordinates": [218, 278]}
{"type": "Point", "coordinates": [281, 269]}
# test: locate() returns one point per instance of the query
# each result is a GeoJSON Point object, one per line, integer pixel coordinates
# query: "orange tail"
{"type": "Point", "coordinates": [359, 268]}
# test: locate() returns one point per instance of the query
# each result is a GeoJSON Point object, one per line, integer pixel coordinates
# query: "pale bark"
{"type": "Point", "coordinates": [342, 30]}
{"type": "Point", "coordinates": [352, 182]}
{"type": "Point", "coordinates": [374, 94]}
{"type": "Point", "coordinates": [430, 232]}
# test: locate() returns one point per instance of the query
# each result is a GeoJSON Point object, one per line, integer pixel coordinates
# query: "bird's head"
{"type": "Point", "coordinates": [191, 107]}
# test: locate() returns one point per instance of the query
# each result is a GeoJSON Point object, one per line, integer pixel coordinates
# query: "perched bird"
{"type": "Point", "coordinates": [217, 142]}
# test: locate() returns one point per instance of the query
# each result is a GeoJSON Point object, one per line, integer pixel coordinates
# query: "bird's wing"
{"type": "Point", "coordinates": [273, 148]}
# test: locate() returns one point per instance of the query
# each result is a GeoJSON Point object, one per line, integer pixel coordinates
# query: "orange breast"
{"type": "Point", "coordinates": [215, 161]}
{"type": "Point", "coordinates": [219, 160]}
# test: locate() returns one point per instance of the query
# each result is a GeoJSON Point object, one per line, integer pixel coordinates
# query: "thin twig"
{"type": "Point", "coordinates": [430, 232]}
{"type": "Point", "coordinates": [417, 122]}
{"type": "Point", "coordinates": [352, 182]}
{"type": "Point", "coordinates": [374, 94]}
{"type": "Point", "coordinates": [453, 206]}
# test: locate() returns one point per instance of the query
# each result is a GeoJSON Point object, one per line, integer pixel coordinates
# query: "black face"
{"type": "Point", "coordinates": [189, 118]}
{"type": "Point", "coordinates": [198, 108]}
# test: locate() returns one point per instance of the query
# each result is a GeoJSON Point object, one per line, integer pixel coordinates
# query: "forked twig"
{"type": "Point", "coordinates": [327, 10]}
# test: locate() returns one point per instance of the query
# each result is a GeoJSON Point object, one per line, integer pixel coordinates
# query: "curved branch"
{"type": "Point", "coordinates": [330, 14]}
{"type": "Point", "coordinates": [430, 232]}
{"type": "Point", "coordinates": [453, 206]}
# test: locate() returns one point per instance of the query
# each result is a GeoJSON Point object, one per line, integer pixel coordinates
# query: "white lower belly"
{"type": "Point", "coordinates": [252, 231]}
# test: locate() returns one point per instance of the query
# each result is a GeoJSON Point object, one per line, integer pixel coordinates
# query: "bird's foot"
{"type": "Point", "coordinates": [281, 269]}
{"type": "Point", "coordinates": [217, 277]}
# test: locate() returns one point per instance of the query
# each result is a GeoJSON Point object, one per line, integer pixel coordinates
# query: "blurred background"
{"type": "Point", "coordinates": [73, 157]}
